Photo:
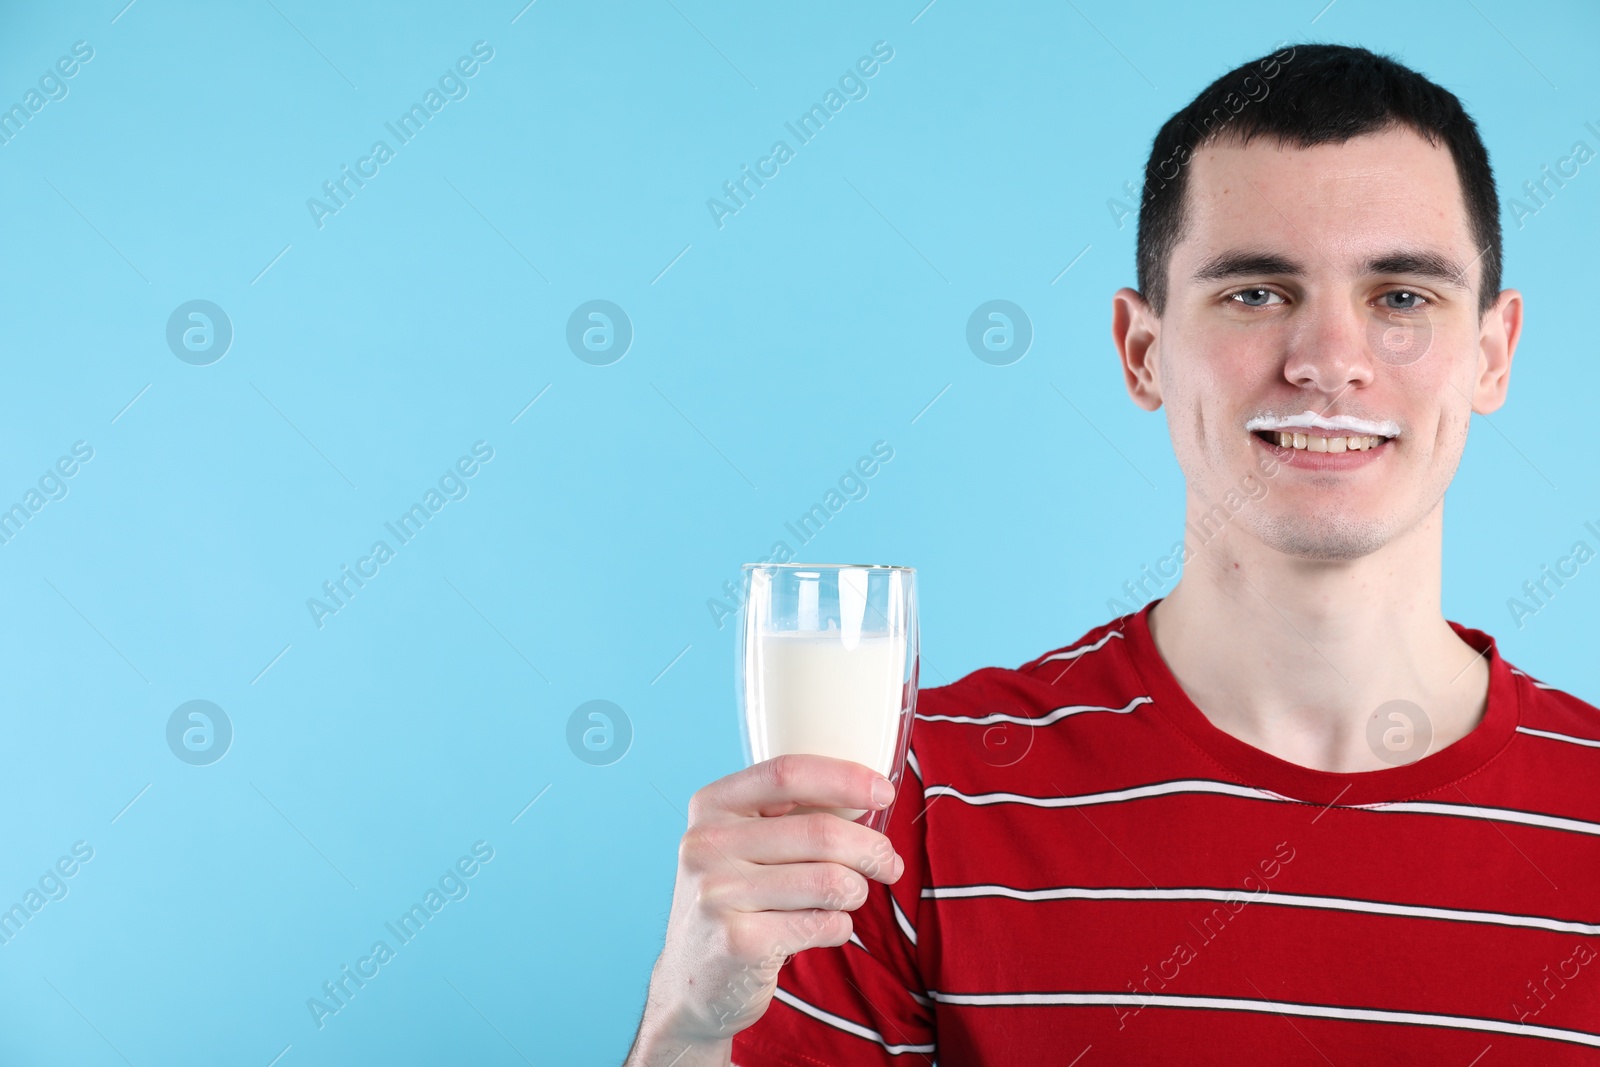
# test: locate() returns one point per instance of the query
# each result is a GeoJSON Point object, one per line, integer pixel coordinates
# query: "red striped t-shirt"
{"type": "Point", "coordinates": [1097, 875]}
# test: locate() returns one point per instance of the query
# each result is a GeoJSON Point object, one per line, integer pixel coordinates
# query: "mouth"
{"type": "Point", "coordinates": [1304, 441]}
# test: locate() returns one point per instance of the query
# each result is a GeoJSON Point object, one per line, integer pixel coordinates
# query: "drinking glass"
{"type": "Point", "coordinates": [828, 666]}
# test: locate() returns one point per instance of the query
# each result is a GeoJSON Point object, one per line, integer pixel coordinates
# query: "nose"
{"type": "Point", "coordinates": [1329, 351]}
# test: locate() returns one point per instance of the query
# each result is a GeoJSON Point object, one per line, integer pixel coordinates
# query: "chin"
{"type": "Point", "coordinates": [1335, 540]}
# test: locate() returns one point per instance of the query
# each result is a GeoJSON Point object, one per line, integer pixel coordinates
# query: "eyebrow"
{"type": "Point", "coordinates": [1420, 263]}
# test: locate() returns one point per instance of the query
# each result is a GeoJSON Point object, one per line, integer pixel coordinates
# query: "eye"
{"type": "Point", "coordinates": [1249, 297]}
{"type": "Point", "coordinates": [1410, 297]}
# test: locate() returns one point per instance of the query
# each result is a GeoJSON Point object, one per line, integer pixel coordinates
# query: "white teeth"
{"type": "Point", "coordinates": [1313, 443]}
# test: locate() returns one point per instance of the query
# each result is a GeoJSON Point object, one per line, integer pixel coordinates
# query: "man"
{"type": "Point", "coordinates": [1287, 814]}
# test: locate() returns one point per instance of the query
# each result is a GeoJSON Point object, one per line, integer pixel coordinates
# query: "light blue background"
{"type": "Point", "coordinates": [769, 354]}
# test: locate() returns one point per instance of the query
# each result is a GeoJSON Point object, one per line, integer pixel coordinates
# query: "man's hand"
{"type": "Point", "coordinates": [753, 890]}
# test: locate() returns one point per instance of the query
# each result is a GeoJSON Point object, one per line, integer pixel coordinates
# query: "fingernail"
{"type": "Point", "coordinates": [882, 792]}
{"type": "Point", "coordinates": [899, 866]}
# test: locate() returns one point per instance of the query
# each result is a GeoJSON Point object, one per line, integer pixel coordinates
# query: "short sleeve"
{"type": "Point", "coordinates": [863, 1002]}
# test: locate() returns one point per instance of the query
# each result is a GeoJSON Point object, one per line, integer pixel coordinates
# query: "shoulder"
{"type": "Point", "coordinates": [1543, 712]}
{"type": "Point", "coordinates": [1552, 712]}
{"type": "Point", "coordinates": [1081, 712]}
{"type": "Point", "coordinates": [1083, 666]}
{"type": "Point", "coordinates": [987, 714]}
{"type": "Point", "coordinates": [1552, 766]}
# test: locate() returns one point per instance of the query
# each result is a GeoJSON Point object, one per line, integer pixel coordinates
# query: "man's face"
{"type": "Point", "coordinates": [1329, 328]}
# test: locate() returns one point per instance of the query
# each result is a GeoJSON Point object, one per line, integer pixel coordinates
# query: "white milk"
{"type": "Point", "coordinates": [810, 693]}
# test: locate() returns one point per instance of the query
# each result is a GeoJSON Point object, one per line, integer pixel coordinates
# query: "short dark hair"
{"type": "Point", "coordinates": [1312, 94]}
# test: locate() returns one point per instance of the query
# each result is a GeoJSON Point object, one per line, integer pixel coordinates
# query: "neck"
{"type": "Point", "coordinates": [1297, 657]}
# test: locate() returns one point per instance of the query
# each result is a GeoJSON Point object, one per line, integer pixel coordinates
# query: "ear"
{"type": "Point", "coordinates": [1135, 329]}
{"type": "Point", "coordinates": [1497, 343]}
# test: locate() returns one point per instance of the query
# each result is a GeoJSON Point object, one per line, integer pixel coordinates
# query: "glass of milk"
{"type": "Point", "coordinates": [828, 666]}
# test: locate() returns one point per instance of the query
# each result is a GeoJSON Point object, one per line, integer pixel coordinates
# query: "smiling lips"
{"type": "Point", "coordinates": [1316, 443]}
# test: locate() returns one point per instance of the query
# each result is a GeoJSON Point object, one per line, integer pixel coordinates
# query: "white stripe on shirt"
{"type": "Point", "coordinates": [1529, 677]}
{"type": "Point", "coordinates": [900, 917]}
{"type": "Point", "coordinates": [1275, 1007]}
{"type": "Point", "coordinates": [1205, 785]}
{"type": "Point", "coordinates": [1294, 900]}
{"type": "Point", "coordinates": [1185, 785]}
{"type": "Point", "coordinates": [1557, 737]}
{"type": "Point", "coordinates": [845, 1025]}
{"type": "Point", "coordinates": [1074, 653]}
{"type": "Point", "coordinates": [1039, 720]}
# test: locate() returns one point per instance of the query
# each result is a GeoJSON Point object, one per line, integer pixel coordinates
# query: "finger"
{"type": "Point", "coordinates": [793, 887]}
{"type": "Point", "coordinates": [778, 785]}
{"type": "Point", "coordinates": [814, 838]}
{"type": "Point", "coordinates": [772, 936]}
